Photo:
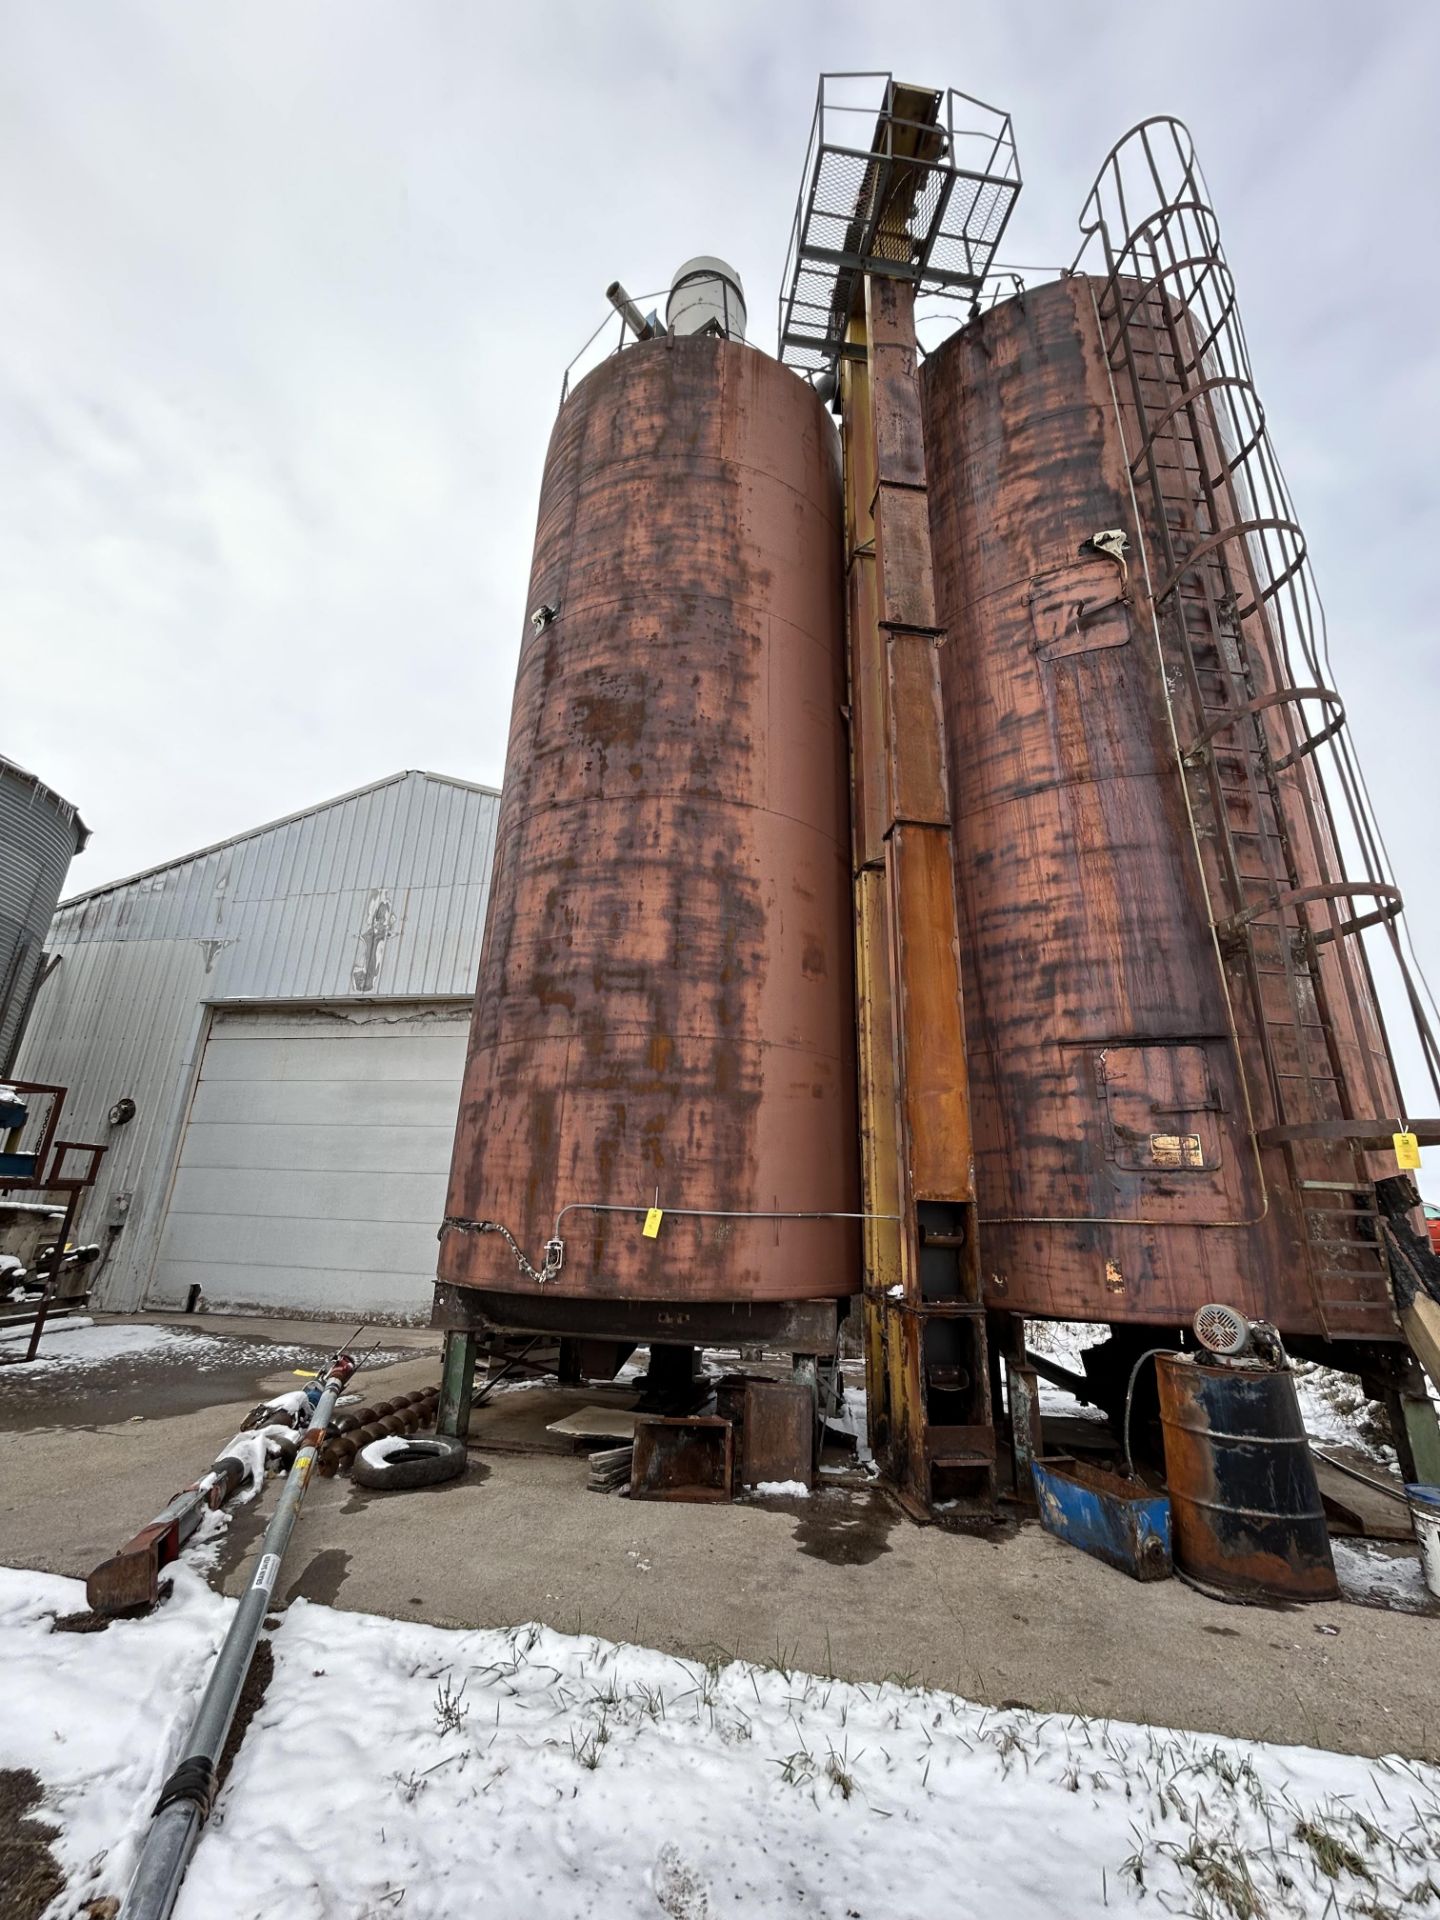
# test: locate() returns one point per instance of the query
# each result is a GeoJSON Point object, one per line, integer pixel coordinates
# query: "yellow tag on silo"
{"type": "Point", "coordinates": [1407, 1151]}
{"type": "Point", "coordinates": [651, 1228]}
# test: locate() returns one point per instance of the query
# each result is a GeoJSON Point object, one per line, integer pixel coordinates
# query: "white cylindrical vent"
{"type": "Point", "coordinates": [706, 297]}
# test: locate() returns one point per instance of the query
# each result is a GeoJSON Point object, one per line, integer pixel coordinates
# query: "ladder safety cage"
{"type": "Point", "coordinates": [1260, 730]}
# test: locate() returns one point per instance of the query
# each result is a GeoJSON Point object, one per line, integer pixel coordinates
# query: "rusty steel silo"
{"type": "Point", "coordinates": [664, 1017]}
{"type": "Point", "coordinates": [1182, 1088]}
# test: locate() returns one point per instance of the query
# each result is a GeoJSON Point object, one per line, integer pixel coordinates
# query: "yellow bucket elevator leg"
{"type": "Point", "coordinates": [927, 1373]}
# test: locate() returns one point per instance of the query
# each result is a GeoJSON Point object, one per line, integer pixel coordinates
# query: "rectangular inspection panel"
{"type": "Point", "coordinates": [902, 513]}
{"type": "Point", "coordinates": [902, 546]}
{"type": "Point", "coordinates": [928, 1014]}
{"type": "Point", "coordinates": [916, 739]}
{"type": "Point", "coordinates": [895, 395]}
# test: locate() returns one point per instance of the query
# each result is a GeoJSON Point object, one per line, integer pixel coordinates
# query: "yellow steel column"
{"type": "Point", "coordinates": [879, 1159]}
{"type": "Point", "coordinates": [926, 1367]}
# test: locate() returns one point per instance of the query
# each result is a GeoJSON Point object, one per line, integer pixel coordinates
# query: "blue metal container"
{"type": "Point", "coordinates": [1118, 1521]}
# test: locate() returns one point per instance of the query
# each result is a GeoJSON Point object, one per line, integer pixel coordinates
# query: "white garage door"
{"type": "Point", "coordinates": [313, 1165]}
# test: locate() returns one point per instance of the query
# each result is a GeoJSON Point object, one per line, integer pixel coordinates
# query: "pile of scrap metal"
{"type": "Point", "coordinates": [762, 1433]}
{"type": "Point", "coordinates": [270, 1437]}
{"type": "Point", "coordinates": [129, 1581]}
{"type": "Point", "coordinates": [42, 1275]}
{"type": "Point", "coordinates": [1239, 1512]}
{"type": "Point", "coordinates": [30, 1254]}
{"type": "Point", "coordinates": [351, 1431]}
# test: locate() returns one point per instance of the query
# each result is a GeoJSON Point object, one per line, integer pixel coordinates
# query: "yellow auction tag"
{"type": "Point", "coordinates": [1407, 1151]}
{"type": "Point", "coordinates": [651, 1228]}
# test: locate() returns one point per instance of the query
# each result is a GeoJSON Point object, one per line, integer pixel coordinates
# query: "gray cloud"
{"type": "Point", "coordinates": [290, 289]}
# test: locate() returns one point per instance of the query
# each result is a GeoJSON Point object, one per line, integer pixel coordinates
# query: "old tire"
{"type": "Point", "coordinates": [424, 1460]}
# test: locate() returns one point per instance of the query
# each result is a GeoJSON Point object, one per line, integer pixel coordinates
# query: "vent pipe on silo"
{"type": "Point", "coordinates": [706, 297]}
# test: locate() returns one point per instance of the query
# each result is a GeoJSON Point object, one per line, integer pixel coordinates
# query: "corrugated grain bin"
{"type": "Point", "coordinates": [40, 834]}
{"type": "Point", "coordinates": [664, 1011]}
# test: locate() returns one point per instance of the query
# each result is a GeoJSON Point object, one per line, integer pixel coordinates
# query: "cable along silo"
{"type": "Point", "coordinates": [1182, 1086]}
{"type": "Point", "coordinates": [40, 834]}
{"type": "Point", "coordinates": [664, 1016]}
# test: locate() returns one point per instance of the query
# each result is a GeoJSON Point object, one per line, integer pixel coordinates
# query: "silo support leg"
{"type": "Point", "coordinates": [1417, 1434]}
{"type": "Point", "coordinates": [457, 1385]}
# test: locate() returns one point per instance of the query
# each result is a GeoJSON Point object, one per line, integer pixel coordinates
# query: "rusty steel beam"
{"type": "Point", "coordinates": [926, 1364]}
{"type": "Point", "coordinates": [798, 1326]}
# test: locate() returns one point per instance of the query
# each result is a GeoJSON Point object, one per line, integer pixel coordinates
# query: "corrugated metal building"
{"type": "Point", "coordinates": [288, 1012]}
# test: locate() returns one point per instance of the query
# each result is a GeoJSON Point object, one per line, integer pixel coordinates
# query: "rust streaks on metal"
{"type": "Point", "coordinates": [1119, 1056]}
{"type": "Point", "coordinates": [689, 1457]}
{"type": "Point", "coordinates": [926, 1368]}
{"type": "Point", "coordinates": [665, 994]}
{"type": "Point", "coordinates": [1248, 1518]}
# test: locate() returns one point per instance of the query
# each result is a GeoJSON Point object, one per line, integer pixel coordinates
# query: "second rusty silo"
{"type": "Point", "coordinates": [1171, 1053]}
{"type": "Point", "coordinates": [664, 1014]}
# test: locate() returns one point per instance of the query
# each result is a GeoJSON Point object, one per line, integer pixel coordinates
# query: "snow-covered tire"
{"type": "Point", "coordinates": [408, 1460]}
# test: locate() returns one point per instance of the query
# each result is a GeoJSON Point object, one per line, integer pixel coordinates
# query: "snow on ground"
{"type": "Point", "coordinates": [69, 1344]}
{"type": "Point", "coordinates": [1370, 1575]}
{"type": "Point", "coordinates": [853, 1417]}
{"type": "Point", "coordinates": [1333, 1405]}
{"type": "Point", "coordinates": [1336, 1412]}
{"type": "Point", "coordinates": [1064, 1342]}
{"type": "Point", "coordinates": [400, 1768]}
{"type": "Point", "coordinates": [75, 1345]}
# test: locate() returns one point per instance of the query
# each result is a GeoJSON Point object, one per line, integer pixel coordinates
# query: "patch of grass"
{"type": "Point", "coordinates": [1221, 1874]}
{"type": "Point", "coordinates": [797, 1768]}
{"type": "Point", "coordinates": [1333, 1855]}
{"type": "Point", "coordinates": [450, 1711]}
{"type": "Point", "coordinates": [29, 1876]}
{"type": "Point", "coordinates": [838, 1771]}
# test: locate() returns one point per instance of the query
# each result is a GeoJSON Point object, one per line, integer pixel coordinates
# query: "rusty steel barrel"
{"type": "Point", "coordinates": [664, 1014]}
{"type": "Point", "coordinates": [1247, 1516]}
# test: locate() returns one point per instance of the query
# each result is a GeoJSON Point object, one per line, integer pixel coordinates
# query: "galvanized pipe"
{"type": "Point", "coordinates": [185, 1799]}
{"type": "Point", "coordinates": [628, 311]}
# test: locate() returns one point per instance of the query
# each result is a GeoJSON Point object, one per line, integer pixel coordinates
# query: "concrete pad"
{"type": "Point", "coordinates": [837, 1582]}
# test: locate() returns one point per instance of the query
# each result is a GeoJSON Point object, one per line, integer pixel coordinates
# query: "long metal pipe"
{"type": "Point", "coordinates": [185, 1799]}
{"type": "Point", "coordinates": [628, 311]}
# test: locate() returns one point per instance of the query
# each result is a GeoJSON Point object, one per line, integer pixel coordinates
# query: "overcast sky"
{"type": "Point", "coordinates": [289, 290]}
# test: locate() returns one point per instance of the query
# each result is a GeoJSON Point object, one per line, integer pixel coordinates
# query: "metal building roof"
{"type": "Point", "coordinates": [251, 833]}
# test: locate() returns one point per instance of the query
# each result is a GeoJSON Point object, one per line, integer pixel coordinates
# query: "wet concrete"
{"type": "Point", "coordinates": [221, 1368]}
{"type": "Point", "coordinates": [104, 1397]}
{"type": "Point", "coordinates": [320, 1578]}
{"type": "Point", "coordinates": [845, 1529]}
